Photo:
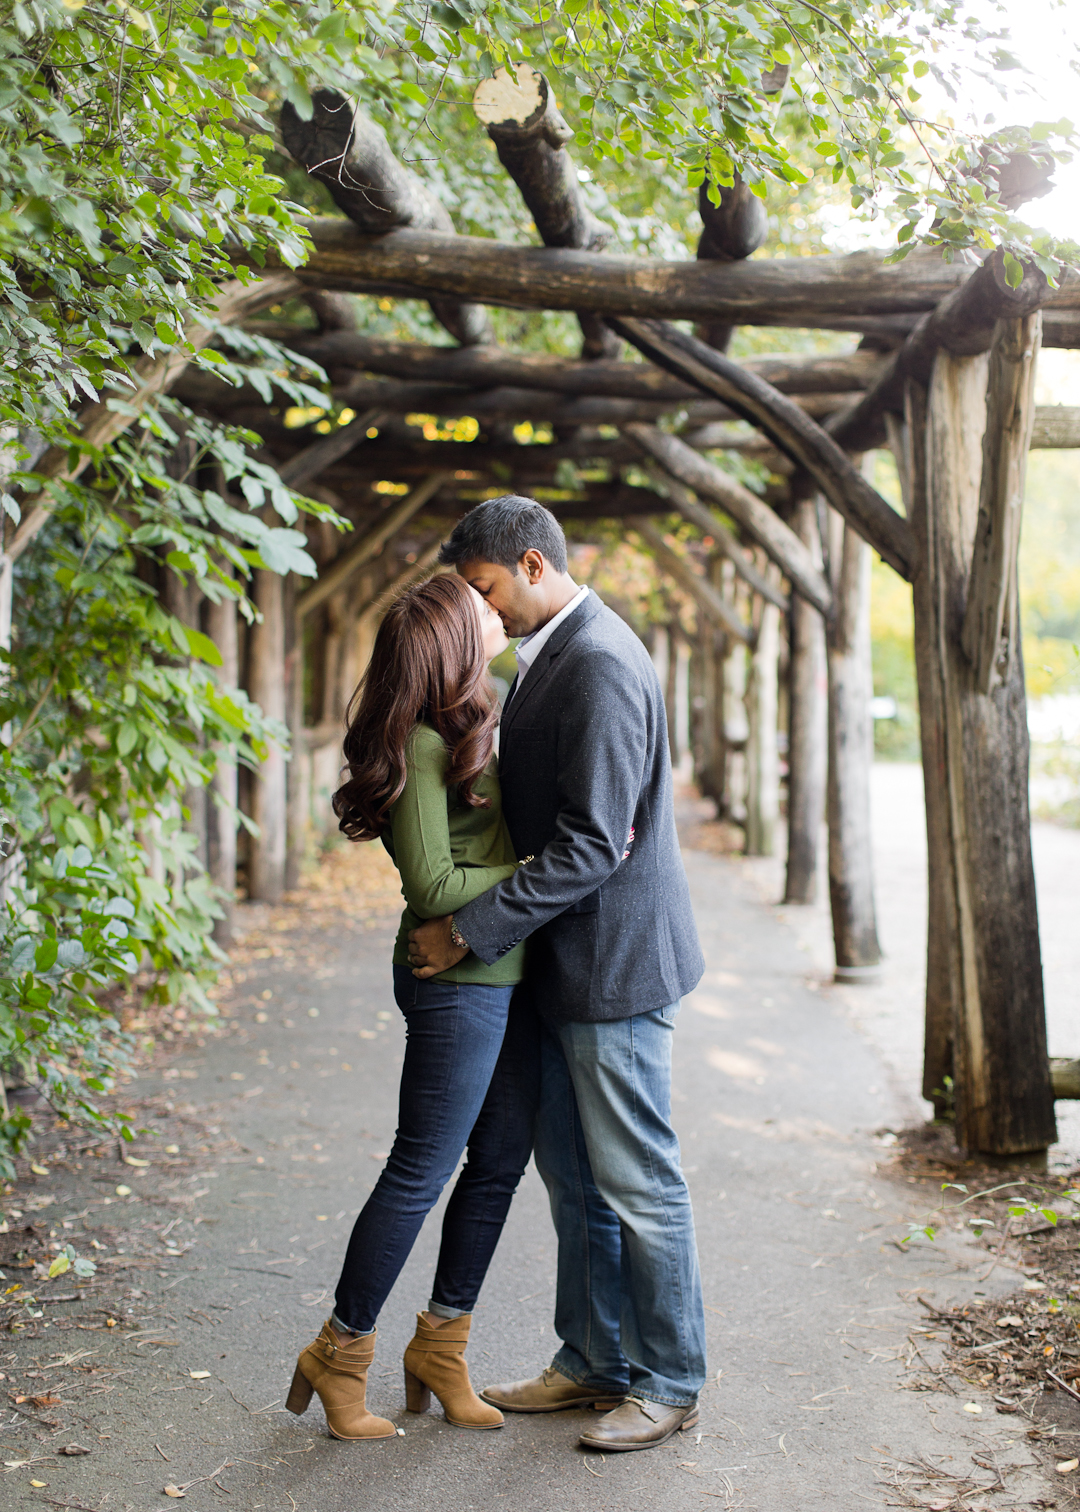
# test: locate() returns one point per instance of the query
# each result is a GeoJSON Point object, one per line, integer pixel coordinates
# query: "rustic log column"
{"type": "Point", "coordinates": [851, 736]}
{"type": "Point", "coordinates": [267, 687]}
{"type": "Point", "coordinates": [966, 437]}
{"type": "Point", "coordinates": [762, 750]}
{"type": "Point", "coordinates": [221, 818]}
{"type": "Point", "coordinates": [808, 740]}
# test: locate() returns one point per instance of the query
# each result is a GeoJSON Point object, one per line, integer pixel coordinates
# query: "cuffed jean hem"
{"type": "Point", "coordinates": [335, 1322]}
{"type": "Point", "coordinates": [440, 1310]}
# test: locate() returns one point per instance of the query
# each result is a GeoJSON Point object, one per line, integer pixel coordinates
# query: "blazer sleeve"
{"type": "Point", "coordinates": [431, 881]}
{"type": "Point", "coordinates": [601, 754]}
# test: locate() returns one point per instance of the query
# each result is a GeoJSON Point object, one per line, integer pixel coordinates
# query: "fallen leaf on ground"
{"type": "Point", "coordinates": [40, 1170]}
{"type": "Point", "coordinates": [130, 1160]}
{"type": "Point", "coordinates": [39, 1483]}
{"type": "Point", "coordinates": [48, 1400]}
{"type": "Point", "coordinates": [171, 1490]}
{"type": "Point", "coordinates": [73, 1449]}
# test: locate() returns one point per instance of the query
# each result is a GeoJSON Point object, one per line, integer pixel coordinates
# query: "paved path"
{"type": "Point", "coordinates": [778, 1097]}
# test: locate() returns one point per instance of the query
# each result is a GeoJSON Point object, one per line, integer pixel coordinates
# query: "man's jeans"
{"type": "Point", "coordinates": [469, 1079]}
{"type": "Point", "coordinates": [628, 1308]}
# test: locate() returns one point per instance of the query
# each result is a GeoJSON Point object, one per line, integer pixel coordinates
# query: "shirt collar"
{"type": "Point", "coordinates": [529, 647]}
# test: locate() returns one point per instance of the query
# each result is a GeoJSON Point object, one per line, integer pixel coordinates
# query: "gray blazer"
{"type": "Point", "coordinates": [586, 782]}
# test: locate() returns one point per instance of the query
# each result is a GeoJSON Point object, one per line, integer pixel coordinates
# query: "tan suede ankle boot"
{"type": "Point", "coordinates": [435, 1362]}
{"type": "Point", "coordinates": [338, 1372]}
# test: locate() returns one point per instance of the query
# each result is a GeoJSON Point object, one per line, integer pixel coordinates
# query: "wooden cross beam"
{"type": "Point", "coordinates": [495, 366]}
{"type": "Point", "coordinates": [788, 427]}
{"type": "Point", "coordinates": [828, 291]}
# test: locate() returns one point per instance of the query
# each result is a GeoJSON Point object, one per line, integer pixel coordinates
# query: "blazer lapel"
{"type": "Point", "coordinates": [525, 687]}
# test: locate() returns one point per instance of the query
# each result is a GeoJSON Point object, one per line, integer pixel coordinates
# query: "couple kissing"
{"type": "Point", "coordinates": [546, 942]}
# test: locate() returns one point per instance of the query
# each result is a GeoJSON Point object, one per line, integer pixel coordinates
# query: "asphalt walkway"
{"type": "Point", "coordinates": [225, 1250]}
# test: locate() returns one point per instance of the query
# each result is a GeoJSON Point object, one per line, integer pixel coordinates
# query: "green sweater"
{"type": "Point", "coordinates": [448, 853]}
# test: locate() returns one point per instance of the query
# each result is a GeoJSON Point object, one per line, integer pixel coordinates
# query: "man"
{"type": "Point", "coordinates": [586, 777]}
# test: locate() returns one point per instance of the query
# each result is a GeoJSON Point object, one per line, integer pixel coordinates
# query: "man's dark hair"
{"type": "Point", "coordinates": [502, 530]}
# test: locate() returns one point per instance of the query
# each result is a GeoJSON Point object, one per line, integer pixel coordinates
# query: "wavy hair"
{"type": "Point", "coordinates": [427, 664]}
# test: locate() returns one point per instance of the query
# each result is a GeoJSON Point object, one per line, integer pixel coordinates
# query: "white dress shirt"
{"type": "Point", "coordinates": [529, 647]}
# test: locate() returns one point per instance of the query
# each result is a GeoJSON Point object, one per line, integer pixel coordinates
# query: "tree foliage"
{"type": "Point", "coordinates": [140, 171]}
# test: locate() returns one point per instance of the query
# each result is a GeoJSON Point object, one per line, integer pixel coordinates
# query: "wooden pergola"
{"type": "Point", "coordinates": [943, 376]}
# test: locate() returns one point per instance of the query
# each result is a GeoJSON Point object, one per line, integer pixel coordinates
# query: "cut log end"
{"type": "Point", "coordinates": [1065, 1077]}
{"type": "Point", "coordinates": [511, 97]}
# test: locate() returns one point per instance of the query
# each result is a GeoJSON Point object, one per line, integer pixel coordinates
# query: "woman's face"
{"type": "Point", "coordinates": [491, 627]}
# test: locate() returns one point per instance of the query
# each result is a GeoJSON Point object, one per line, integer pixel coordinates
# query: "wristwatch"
{"type": "Point", "coordinates": [456, 935]}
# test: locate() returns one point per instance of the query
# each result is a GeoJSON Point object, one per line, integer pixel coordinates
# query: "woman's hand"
{"type": "Point", "coordinates": [431, 950]}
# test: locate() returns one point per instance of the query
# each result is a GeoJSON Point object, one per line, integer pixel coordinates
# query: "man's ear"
{"type": "Point", "coordinates": [533, 563]}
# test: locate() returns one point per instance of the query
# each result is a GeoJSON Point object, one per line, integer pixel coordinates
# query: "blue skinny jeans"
{"type": "Point", "coordinates": [470, 1082]}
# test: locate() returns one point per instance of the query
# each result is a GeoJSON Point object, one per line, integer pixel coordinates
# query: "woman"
{"type": "Point", "coordinates": [423, 780]}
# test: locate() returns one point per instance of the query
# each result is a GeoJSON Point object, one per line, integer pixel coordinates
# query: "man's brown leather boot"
{"type": "Point", "coordinates": [338, 1372]}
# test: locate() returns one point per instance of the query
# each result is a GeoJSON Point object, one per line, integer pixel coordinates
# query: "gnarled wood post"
{"type": "Point", "coordinates": [221, 820]}
{"type": "Point", "coordinates": [851, 737]}
{"type": "Point", "coordinates": [267, 687]}
{"type": "Point", "coordinates": [966, 439]}
{"type": "Point", "coordinates": [808, 741]}
{"type": "Point", "coordinates": [762, 749]}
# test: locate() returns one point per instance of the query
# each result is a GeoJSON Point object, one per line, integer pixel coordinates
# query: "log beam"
{"type": "Point", "coordinates": [349, 153]}
{"type": "Point", "coordinates": [714, 605]}
{"type": "Point", "coordinates": [756, 518]}
{"type": "Point", "coordinates": [731, 231]}
{"type": "Point", "coordinates": [841, 292]}
{"type": "Point", "coordinates": [492, 366]}
{"type": "Point", "coordinates": [788, 427]}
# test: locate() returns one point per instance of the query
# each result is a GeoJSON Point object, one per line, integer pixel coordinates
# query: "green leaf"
{"type": "Point", "coordinates": [45, 954]}
{"type": "Point", "coordinates": [202, 646]}
{"type": "Point", "coordinates": [1014, 271]}
{"type": "Point", "coordinates": [127, 737]}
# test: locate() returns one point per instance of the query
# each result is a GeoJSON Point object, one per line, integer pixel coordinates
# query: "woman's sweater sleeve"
{"type": "Point", "coordinates": [433, 885]}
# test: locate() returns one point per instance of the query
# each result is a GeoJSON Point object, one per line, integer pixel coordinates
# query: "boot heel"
{"type": "Point", "coordinates": [417, 1395]}
{"type": "Point", "coordinates": [300, 1393]}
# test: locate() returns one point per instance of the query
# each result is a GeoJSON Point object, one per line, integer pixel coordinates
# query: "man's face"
{"type": "Point", "coordinates": [517, 597]}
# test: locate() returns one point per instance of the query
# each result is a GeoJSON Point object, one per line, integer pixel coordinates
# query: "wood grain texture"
{"type": "Point", "coordinates": [990, 633]}
{"type": "Point", "coordinates": [984, 977]}
{"type": "Point", "coordinates": [819, 291]}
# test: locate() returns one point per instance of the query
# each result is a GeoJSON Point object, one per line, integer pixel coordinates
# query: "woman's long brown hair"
{"type": "Point", "coordinates": [427, 664]}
